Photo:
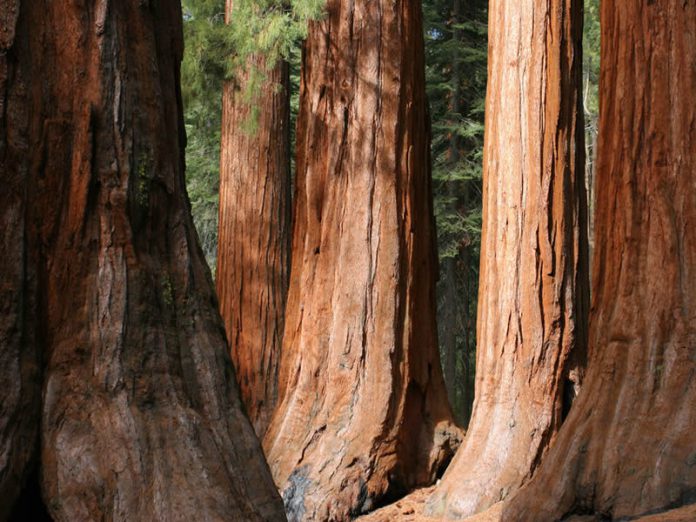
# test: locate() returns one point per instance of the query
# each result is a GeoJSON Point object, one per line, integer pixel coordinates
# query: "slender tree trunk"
{"type": "Point", "coordinates": [254, 233]}
{"type": "Point", "coordinates": [363, 412]}
{"type": "Point", "coordinates": [20, 382]}
{"type": "Point", "coordinates": [449, 328]}
{"type": "Point", "coordinates": [629, 445]}
{"type": "Point", "coordinates": [141, 416]}
{"type": "Point", "coordinates": [465, 380]}
{"type": "Point", "coordinates": [533, 279]}
{"type": "Point", "coordinates": [451, 303]}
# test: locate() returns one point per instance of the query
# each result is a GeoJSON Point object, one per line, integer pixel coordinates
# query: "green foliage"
{"type": "Point", "coordinates": [590, 95]}
{"type": "Point", "coordinates": [214, 52]}
{"type": "Point", "coordinates": [270, 28]}
{"type": "Point", "coordinates": [202, 75]}
{"type": "Point", "coordinates": [591, 44]}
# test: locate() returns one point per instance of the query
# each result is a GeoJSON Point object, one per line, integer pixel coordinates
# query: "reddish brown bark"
{"type": "Point", "coordinates": [533, 279]}
{"type": "Point", "coordinates": [141, 417]}
{"type": "Point", "coordinates": [254, 231]}
{"type": "Point", "coordinates": [629, 445]}
{"type": "Point", "coordinates": [363, 410]}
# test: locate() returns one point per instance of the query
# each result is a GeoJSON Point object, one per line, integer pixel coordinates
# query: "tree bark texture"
{"type": "Point", "coordinates": [254, 232]}
{"type": "Point", "coordinates": [628, 447]}
{"type": "Point", "coordinates": [363, 412]}
{"type": "Point", "coordinates": [141, 418]}
{"type": "Point", "coordinates": [533, 279]}
{"type": "Point", "coordinates": [20, 376]}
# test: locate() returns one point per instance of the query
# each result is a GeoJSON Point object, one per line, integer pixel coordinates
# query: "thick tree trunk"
{"type": "Point", "coordinates": [254, 233]}
{"type": "Point", "coordinates": [141, 416]}
{"type": "Point", "coordinates": [533, 280]}
{"type": "Point", "coordinates": [363, 411]}
{"type": "Point", "coordinates": [629, 445]}
{"type": "Point", "coordinates": [20, 381]}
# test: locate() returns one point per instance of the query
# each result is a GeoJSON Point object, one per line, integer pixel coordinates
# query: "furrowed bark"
{"type": "Point", "coordinates": [254, 231]}
{"type": "Point", "coordinates": [363, 413]}
{"type": "Point", "coordinates": [533, 280]}
{"type": "Point", "coordinates": [20, 379]}
{"type": "Point", "coordinates": [628, 447]}
{"type": "Point", "coordinates": [141, 418]}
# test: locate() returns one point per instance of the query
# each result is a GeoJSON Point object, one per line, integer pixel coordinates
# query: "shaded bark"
{"type": "Point", "coordinates": [533, 278]}
{"type": "Point", "coordinates": [141, 418]}
{"type": "Point", "coordinates": [629, 445]}
{"type": "Point", "coordinates": [254, 231]}
{"type": "Point", "coordinates": [363, 413]}
{"type": "Point", "coordinates": [20, 379]}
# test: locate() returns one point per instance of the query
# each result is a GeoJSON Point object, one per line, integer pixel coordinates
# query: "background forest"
{"type": "Point", "coordinates": [455, 34]}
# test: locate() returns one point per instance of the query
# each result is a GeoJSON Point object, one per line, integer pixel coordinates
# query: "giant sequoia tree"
{"type": "Point", "coordinates": [362, 412]}
{"type": "Point", "coordinates": [533, 280]}
{"type": "Point", "coordinates": [254, 233]}
{"type": "Point", "coordinates": [629, 446]}
{"type": "Point", "coordinates": [141, 419]}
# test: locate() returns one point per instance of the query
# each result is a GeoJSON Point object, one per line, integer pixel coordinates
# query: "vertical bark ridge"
{"type": "Point", "coordinates": [533, 295]}
{"type": "Point", "coordinates": [363, 413]}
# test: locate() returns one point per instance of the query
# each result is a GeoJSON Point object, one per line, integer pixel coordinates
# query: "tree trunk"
{"type": "Point", "coordinates": [363, 412]}
{"type": "Point", "coordinates": [254, 232]}
{"type": "Point", "coordinates": [466, 380]}
{"type": "Point", "coordinates": [449, 328]}
{"type": "Point", "coordinates": [141, 416]}
{"type": "Point", "coordinates": [450, 303]}
{"type": "Point", "coordinates": [629, 445]}
{"type": "Point", "coordinates": [20, 380]}
{"type": "Point", "coordinates": [533, 279]}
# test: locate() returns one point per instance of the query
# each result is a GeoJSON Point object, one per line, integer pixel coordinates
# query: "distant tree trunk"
{"type": "Point", "coordinates": [465, 380]}
{"type": "Point", "coordinates": [254, 231]}
{"type": "Point", "coordinates": [629, 445]}
{"type": "Point", "coordinates": [20, 382]}
{"type": "Point", "coordinates": [533, 279]}
{"type": "Point", "coordinates": [141, 416]}
{"type": "Point", "coordinates": [449, 268]}
{"type": "Point", "coordinates": [449, 327]}
{"type": "Point", "coordinates": [363, 412]}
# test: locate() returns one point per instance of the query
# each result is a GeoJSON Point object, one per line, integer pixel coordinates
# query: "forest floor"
{"type": "Point", "coordinates": [410, 509]}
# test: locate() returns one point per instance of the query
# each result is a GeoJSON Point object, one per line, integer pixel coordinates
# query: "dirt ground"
{"type": "Point", "coordinates": [410, 509]}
